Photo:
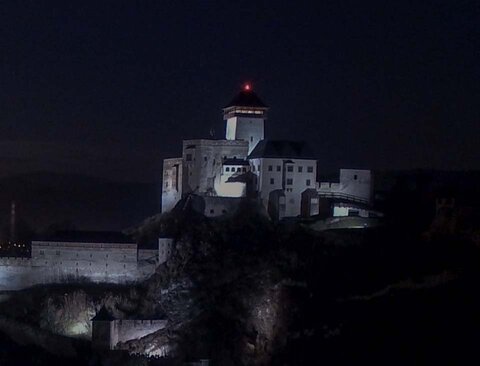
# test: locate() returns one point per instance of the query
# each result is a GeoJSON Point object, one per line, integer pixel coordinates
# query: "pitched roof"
{"type": "Point", "coordinates": [233, 161]}
{"type": "Point", "coordinates": [282, 149]}
{"type": "Point", "coordinates": [103, 315]}
{"type": "Point", "coordinates": [246, 98]}
{"type": "Point", "coordinates": [77, 236]}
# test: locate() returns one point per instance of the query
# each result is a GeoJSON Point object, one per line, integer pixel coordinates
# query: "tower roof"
{"type": "Point", "coordinates": [282, 149]}
{"type": "Point", "coordinates": [103, 315]}
{"type": "Point", "coordinates": [246, 98]}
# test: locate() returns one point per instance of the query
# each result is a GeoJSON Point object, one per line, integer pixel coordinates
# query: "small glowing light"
{"type": "Point", "coordinates": [247, 87]}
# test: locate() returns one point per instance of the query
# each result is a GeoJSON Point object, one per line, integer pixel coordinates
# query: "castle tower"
{"type": "Point", "coordinates": [245, 116]}
{"type": "Point", "coordinates": [104, 330]}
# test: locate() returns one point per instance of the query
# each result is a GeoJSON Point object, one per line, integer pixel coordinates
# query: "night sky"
{"type": "Point", "coordinates": [110, 88]}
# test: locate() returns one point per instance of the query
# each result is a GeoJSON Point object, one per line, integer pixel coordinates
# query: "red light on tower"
{"type": "Point", "coordinates": [247, 87]}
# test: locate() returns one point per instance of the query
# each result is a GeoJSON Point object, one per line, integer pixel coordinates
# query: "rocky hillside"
{"type": "Point", "coordinates": [242, 291]}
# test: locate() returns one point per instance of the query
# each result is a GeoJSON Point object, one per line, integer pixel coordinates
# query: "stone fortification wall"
{"type": "Point", "coordinates": [216, 206]}
{"type": "Point", "coordinates": [128, 329]}
{"type": "Point", "coordinates": [16, 273]}
{"type": "Point", "coordinates": [165, 248]}
{"type": "Point", "coordinates": [203, 161]}
{"type": "Point", "coordinates": [60, 262]}
{"type": "Point", "coordinates": [98, 262]}
{"type": "Point", "coordinates": [172, 186]}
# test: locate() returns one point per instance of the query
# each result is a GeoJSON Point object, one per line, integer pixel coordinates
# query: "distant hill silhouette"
{"type": "Point", "coordinates": [44, 198]}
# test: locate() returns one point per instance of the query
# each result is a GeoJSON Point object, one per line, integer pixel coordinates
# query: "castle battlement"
{"type": "Point", "coordinates": [66, 261]}
{"type": "Point", "coordinates": [79, 245]}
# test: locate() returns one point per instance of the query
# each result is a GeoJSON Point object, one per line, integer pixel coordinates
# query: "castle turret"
{"type": "Point", "coordinates": [104, 335]}
{"type": "Point", "coordinates": [245, 116]}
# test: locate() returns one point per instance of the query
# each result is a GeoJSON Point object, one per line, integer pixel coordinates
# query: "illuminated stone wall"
{"type": "Point", "coordinates": [172, 183]}
{"type": "Point", "coordinates": [354, 184]}
{"type": "Point", "coordinates": [128, 329]}
{"type": "Point", "coordinates": [17, 273]}
{"type": "Point", "coordinates": [58, 262]}
{"type": "Point", "coordinates": [108, 334]}
{"type": "Point", "coordinates": [98, 262]}
{"type": "Point", "coordinates": [216, 206]}
{"type": "Point", "coordinates": [290, 178]}
{"type": "Point", "coordinates": [165, 247]}
{"type": "Point", "coordinates": [203, 162]}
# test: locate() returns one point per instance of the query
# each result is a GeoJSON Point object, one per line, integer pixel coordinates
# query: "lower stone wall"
{"type": "Point", "coordinates": [217, 206]}
{"type": "Point", "coordinates": [17, 274]}
{"type": "Point", "coordinates": [128, 329]}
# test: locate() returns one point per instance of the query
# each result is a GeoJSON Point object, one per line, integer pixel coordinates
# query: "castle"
{"type": "Point", "coordinates": [281, 175]}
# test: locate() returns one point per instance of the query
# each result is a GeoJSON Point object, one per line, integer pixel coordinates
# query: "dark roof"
{"type": "Point", "coordinates": [242, 178]}
{"type": "Point", "coordinates": [246, 98]}
{"type": "Point", "coordinates": [235, 162]}
{"type": "Point", "coordinates": [103, 315]}
{"type": "Point", "coordinates": [89, 237]}
{"type": "Point", "coordinates": [281, 149]}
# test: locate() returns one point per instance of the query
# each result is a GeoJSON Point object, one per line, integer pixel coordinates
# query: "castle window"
{"type": "Point", "coordinates": [244, 170]}
{"type": "Point", "coordinates": [310, 169]}
{"type": "Point", "coordinates": [270, 168]}
{"type": "Point", "coordinates": [239, 169]}
{"type": "Point", "coordinates": [300, 169]}
{"type": "Point", "coordinates": [272, 181]}
{"type": "Point", "coordinates": [290, 168]}
{"type": "Point", "coordinates": [227, 169]}
{"type": "Point", "coordinates": [212, 211]}
{"type": "Point", "coordinates": [205, 158]}
{"type": "Point", "coordinates": [279, 168]}
{"type": "Point", "coordinates": [166, 184]}
{"type": "Point", "coordinates": [189, 157]}
{"type": "Point", "coordinates": [355, 177]}
{"type": "Point", "coordinates": [289, 181]}
{"type": "Point", "coordinates": [308, 182]}
{"type": "Point", "coordinates": [251, 138]}
{"type": "Point", "coordinates": [42, 252]}
{"type": "Point", "coordinates": [258, 168]}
